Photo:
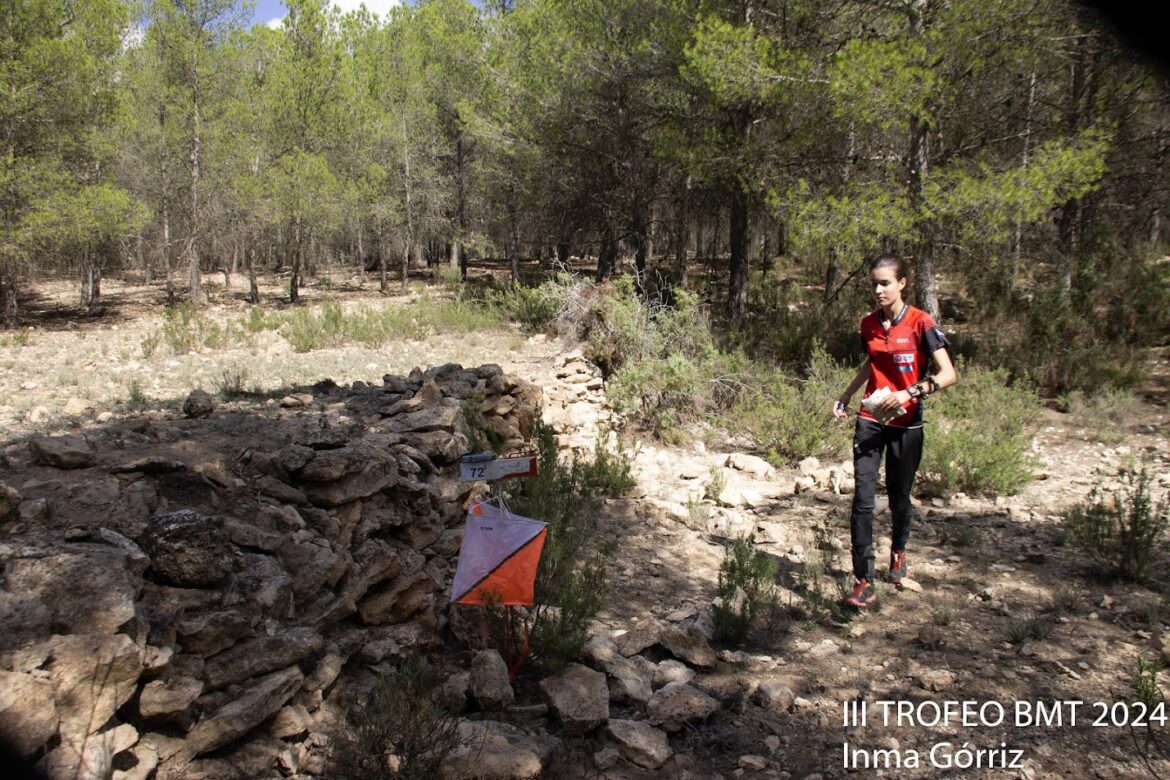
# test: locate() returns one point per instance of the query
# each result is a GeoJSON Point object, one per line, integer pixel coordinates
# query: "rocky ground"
{"type": "Point", "coordinates": [998, 609]}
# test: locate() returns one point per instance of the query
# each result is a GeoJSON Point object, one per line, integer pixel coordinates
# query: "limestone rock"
{"type": "Point", "coordinates": [187, 549]}
{"type": "Point", "coordinates": [687, 643]}
{"type": "Point", "coordinates": [490, 685]}
{"type": "Point", "coordinates": [9, 500]}
{"type": "Point", "coordinates": [631, 678]}
{"type": "Point", "coordinates": [670, 671]}
{"type": "Point", "coordinates": [326, 672]}
{"type": "Point", "coordinates": [643, 635]}
{"type": "Point", "coordinates": [579, 697]}
{"type": "Point", "coordinates": [151, 464]}
{"type": "Point", "coordinates": [937, 680]}
{"type": "Point", "coordinates": [243, 713]}
{"type": "Point", "coordinates": [261, 655]}
{"type": "Point", "coordinates": [641, 743]}
{"type": "Point", "coordinates": [752, 763]}
{"type": "Point", "coordinates": [213, 632]}
{"type": "Point", "coordinates": [292, 720]}
{"type": "Point", "coordinates": [92, 675]}
{"type": "Point", "coordinates": [167, 699]}
{"type": "Point", "coordinates": [198, 404]}
{"type": "Point", "coordinates": [774, 694]}
{"type": "Point", "coordinates": [28, 714]}
{"type": "Point", "coordinates": [452, 694]}
{"type": "Point", "coordinates": [336, 477]}
{"type": "Point", "coordinates": [397, 602]}
{"type": "Point", "coordinates": [310, 560]}
{"type": "Point", "coordinates": [677, 704]}
{"type": "Point", "coordinates": [491, 750]}
{"type": "Point", "coordinates": [62, 452]}
{"type": "Point", "coordinates": [750, 464]}
{"type": "Point", "coordinates": [442, 418]}
{"type": "Point", "coordinates": [39, 596]}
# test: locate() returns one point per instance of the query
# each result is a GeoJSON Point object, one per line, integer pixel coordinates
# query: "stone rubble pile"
{"type": "Point", "coordinates": [190, 597]}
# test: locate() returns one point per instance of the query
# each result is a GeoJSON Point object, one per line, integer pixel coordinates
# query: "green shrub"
{"type": "Point", "coordinates": [536, 308]}
{"type": "Point", "coordinates": [571, 583]}
{"type": "Point", "coordinates": [977, 436]}
{"type": "Point", "coordinates": [231, 383]}
{"type": "Point", "coordinates": [746, 586]}
{"type": "Point", "coordinates": [1123, 531]}
{"type": "Point", "coordinates": [18, 338]}
{"type": "Point", "coordinates": [1055, 344]}
{"type": "Point", "coordinates": [398, 731]}
{"type": "Point", "coordinates": [1035, 627]}
{"type": "Point", "coordinates": [791, 417]}
{"type": "Point", "coordinates": [185, 328]}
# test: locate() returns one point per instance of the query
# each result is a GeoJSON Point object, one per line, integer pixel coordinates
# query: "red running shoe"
{"type": "Point", "coordinates": [898, 566]}
{"type": "Point", "coordinates": [862, 596]}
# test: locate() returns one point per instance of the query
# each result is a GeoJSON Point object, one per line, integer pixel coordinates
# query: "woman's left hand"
{"type": "Point", "coordinates": [895, 401]}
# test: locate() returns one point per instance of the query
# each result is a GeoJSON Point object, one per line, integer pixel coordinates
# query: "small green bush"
{"type": "Point", "coordinates": [790, 417]}
{"type": "Point", "coordinates": [746, 585]}
{"type": "Point", "coordinates": [398, 731]}
{"type": "Point", "coordinates": [231, 383]}
{"type": "Point", "coordinates": [536, 308]}
{"type": "Point", "coordinates": [977, 436]}
{"type": "Point", "coordinates": [185, 328]}
{"type": "Point", "coordinates": [571, 582]}
{"type": "Point", "coordinates": [1123, 531]}
{"type": "Point", "coordinates": [1055, 344]}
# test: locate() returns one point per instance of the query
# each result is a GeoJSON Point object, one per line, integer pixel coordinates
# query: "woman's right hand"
{"type": "Point", "coordinates": [840, 410]}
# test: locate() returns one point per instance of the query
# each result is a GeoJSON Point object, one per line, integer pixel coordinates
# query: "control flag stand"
{"type": "Point", "coordinates": [500, 552]}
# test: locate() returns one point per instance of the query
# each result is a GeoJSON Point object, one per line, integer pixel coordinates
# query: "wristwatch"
{"type": "Point", "coordinates": [915, 391]}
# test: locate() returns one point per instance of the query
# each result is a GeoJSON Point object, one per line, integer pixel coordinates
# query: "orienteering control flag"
{"type": "Point", "coordinates": [498, 557]}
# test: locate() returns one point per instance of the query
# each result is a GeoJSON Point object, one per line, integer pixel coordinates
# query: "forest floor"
{"type": "Point", "coordinates": [1000, 612]}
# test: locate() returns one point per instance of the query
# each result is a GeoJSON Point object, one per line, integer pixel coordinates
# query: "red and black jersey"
{"type": "Point", "coordinates": [900, 356]}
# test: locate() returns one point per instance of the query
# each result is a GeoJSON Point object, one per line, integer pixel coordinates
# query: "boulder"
{"type": "Point", "coordinates": [452, 694]}
{"type": "Point", "coordinates": [9, 500]}
{"type": "Point", "coordinates": [291, 721]}
{"type": "Point", "coordinates": [187, 549]}
{"type": "Point", "coordinates": [198, 404]}
{"type": "Point", "coordinates": [669, 671]}
{"type": "Point", "coordinates": [688, 643]}
{"type": "Point", "coordinates": [310, 560]}
{"type": "Point", "coordinates": [213, 632]}
{"type": "Point", "coordinates": [39, 596]}
{"type": "Point", "coordinates": [579, 697]}
{"type": "Point", "coordinates": [641, 743]}
{"type": "Point", "coordinates": [630, 679]}
{"type": "Point", "coordinates": [490, 685]}
{"type": "Point", "coordinates": [490, 750]}
{"type": "Point", "coordinates": [398, 601]}
{"type": "Point", "coordinates": [750, 464]}
{"type": "Point", "coordinates": [91, 675]}
{"type": "Point", "coordinates": [644, 634]}
{"type": "Point", "coordinates": [168, 699]}
{"type": "Point", "coordinates": [774, 694]}
{"type": "Point", "coordinates": [441, 447]}
{"type": "Point", "coordinates": [243, 713]}
{"type": "Point", "coordinates": [677, 704]}
{"type": "Point", "coordinates": [151, 464]}
{"type": "Point", "coordinates": [335, 477]}
{"type": "Point", "coordinates": [446, 418]}
{"type": "Point", "coordinates": [261, 655]}
{"type": "Point", "coordinates": [62, 452]}
{"type": "Point", "coordinates": [28, 714]}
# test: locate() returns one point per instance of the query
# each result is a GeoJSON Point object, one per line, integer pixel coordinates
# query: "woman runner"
{"type": "Point", "coordinates": [901, 342]}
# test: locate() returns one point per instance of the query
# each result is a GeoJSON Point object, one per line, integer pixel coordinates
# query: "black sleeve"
{"type": "Point", "coordinates": [934, 338]}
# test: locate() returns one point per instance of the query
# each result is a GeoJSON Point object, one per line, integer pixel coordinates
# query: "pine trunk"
{"type": "Point", "coordinates": [737, 292]}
